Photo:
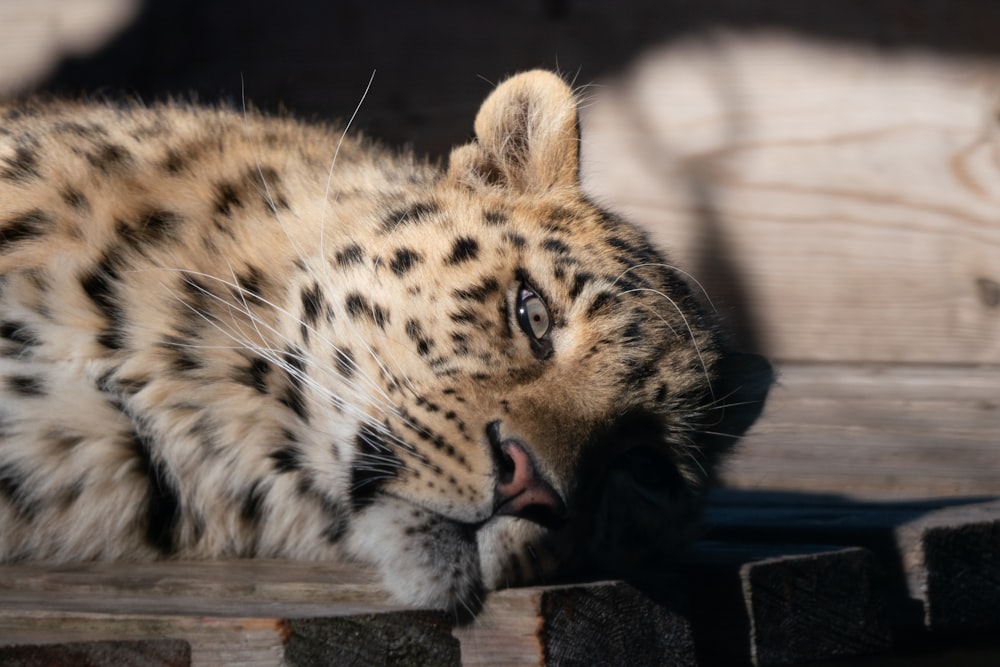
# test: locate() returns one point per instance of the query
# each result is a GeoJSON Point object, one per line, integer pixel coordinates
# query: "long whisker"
{"type": "Point", "coordinates": [694, 339]}
{"type": "Point", "coordinates": [670, 267]}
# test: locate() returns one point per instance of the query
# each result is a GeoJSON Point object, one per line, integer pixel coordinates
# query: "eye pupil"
{"type": "Point", "coordinates": [532, 314]}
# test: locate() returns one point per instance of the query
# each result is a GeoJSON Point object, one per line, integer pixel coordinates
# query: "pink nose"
{"type": "Point", "coordinates": [521, 491]}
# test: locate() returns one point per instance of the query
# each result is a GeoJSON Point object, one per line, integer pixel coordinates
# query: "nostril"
{"type": "Point", "coordinates": [506, 466]}
{"type": "Point", "coordinates": [516, 472]}
{"type": "Point", "coordinates": [521, 491]}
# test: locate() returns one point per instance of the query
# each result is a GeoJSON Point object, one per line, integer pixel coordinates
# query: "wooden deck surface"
{"type": "Point", "coordinates": [839, 201]}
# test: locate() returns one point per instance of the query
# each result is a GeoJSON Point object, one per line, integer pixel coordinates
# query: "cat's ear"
{"type": "Point", "coordinates": [527, 137]}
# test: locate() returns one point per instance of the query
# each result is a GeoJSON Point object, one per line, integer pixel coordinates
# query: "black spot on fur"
{"type": "Point", "coordinates": [374, 464]}
{"type": "Point", "coordinates": [162, 498]}
{"type": "Point", "coordinates": [109, 157]}
{"type": "Point", "coordinates": [252, 508]}
{"type": "Point", "coordinates": [64, 442]}
{"type": "Point", "coordinates": [25, 385]}
{"type": "Point", "coordinates": [515, 240]}
{"type": "Point", "coordinates": [556, 246]}
{"type": "Point", "coordinates": [580, 281]}
{"type": "Point", "coordinates": [114, 386]}
{"type": "Point", "coordinates": [494, 217]}
{"type": "Point", "coordinates": [92, 131]}
{"type": "Point", "coordinates": [158, 225]}
{"type": "Point", "coordinates": [638, 375]}
{"type": "Point", "coordinates": [352, 254]}
{"type": "Point", "coordinates": [20, 333]}
{"type": "Point", "coordinates": [358, 307]}
{"type": "Point", "coordinates": [184, 357]}
{"type": "Point", "coordinates": [227, 197]}
{"type": "Point", "coordinates": [75, 200]}
{"type": "Point", "coordinates": [415, 332]}
{"type": "Point", "coordinates": [410, 215]}
{"type": "Point", "coordinates": [336, 529]}
{"type": "Point", "coordinates": [312, 304]}
{"type": "Point", "coordinates": [151, 227]}
{"type": "Point", "coordinates": [22, 166]}
{"type": "Point", "coordinates": [252, 284]}
{"type": "Point", "coordinates": [559, 219]}
{"type": "Point", "coordinates": [293, 397]}
{"type": "Point", "coordinates": [266, 181]}
{"type": "Point", "coordinates": [601, 301]}
{"type": "Point", "coordinates": [173, 162]}
{"type": "Point", "coordinates": [14, 488]}
{"type": "Point", "coordinates": [23, 227]}
{"type": "Point", "coordinates": [463, 250]}
{"type": "Point", "coordinates": [461, 344]}
{"type": "Point", "coordinates": [100, 285]}
{"type": "Point", "coordinates": [464, 316]}
{"type": "Point", "coordinates": [427, 434]}
{"type": "Point", "coordinates": [254, 375]}
{"type": "Point", "coordinates": [404, 260]}
{"type": "Point", "coordinates": [344, 359]}
{"type": "Point", "coordinates": [632, 333]}
{"type": "Point", "coordinates": [479, 292]}
{"type": "Point", "coordinates": [287, 458]}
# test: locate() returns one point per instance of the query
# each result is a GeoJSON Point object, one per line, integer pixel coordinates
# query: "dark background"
{"type": "Point", "coordinates": [435, 61]}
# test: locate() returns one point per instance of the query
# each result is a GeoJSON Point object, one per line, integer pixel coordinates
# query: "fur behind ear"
{"type": "Point", "coordinates": [527, 137]}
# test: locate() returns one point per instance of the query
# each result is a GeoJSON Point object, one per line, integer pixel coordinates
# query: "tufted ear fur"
{"type": "Point", "coordinates": [527, 137]}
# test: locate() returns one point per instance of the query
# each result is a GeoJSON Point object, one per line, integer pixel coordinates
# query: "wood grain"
{"type": "Point", "coordinates": [875, 431]}
{"type": "Point", "coordinates": [241, 588]}
{"type": "Point", "coordinates": [844, 202]}
{"type": "Point", "coordinates": [941, 562]}
{"type": "Point", "coordinates": [142, 653]}
{"type": "Point", "coordinates": [604, 623]}
{"type": "Point", "coordinates": [952, 560]}
{"type": "Point", "coordinates": [402, 639]}
{"type": "Point", "coordinates": [814, 607]}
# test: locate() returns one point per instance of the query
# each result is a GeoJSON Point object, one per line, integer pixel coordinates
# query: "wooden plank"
{"type": "Point", "coordinates": [238, 588]}
{"type": "Point", "coordinates": [231, 612]}
{"type": "Point", "coordinates": [874, 431]}
{"type": "Point", "coordinates": [814, 607]}
{"type": "Point", "coordinates": [420, 637]}
{"type": "Point", "coordinates": [777, 604]}
{"type": "Point", "coordinates": [946, 558]}
{"type": "Point", "coordinates": [266, 612]}
{"type": "Point", "coordinates": [402, 639]}
{"type": "Point", "coordinates": [952, 559]}
{"type": "Point", "coordinates": [609, 623]}
{"type": "Point", "coordinates": [214, 641]}
{"type": "Point", "coordinates": [143, 653]}
{"type": "Point", "coordinates": [842, 201]}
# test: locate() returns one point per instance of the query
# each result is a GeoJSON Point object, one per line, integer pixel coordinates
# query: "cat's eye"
{"type": "Point", "coordinates": [534, 319]}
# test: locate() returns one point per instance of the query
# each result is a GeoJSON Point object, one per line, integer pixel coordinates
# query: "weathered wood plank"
{"type": "Point", "coordinates": [947, 559]}
{"type": "Point", "coordinates": [875, 431]}
{"type": "Point", "coordinates": [402, 639]}
{"type": "Point", "coordinates": [393, 638]}
{"type": "Point", "coordinates": [608, 623]}
{"type": "Point", "coordinates": [142, 653]}
{"type": "Point", "coordinates": [952, 561]}
{"type": "Point", "coordinates": [777, 604]}
{"type": "Point", "coordinates": [843, 201]}
{"type": "Point", "coordinates": [239, 588]}
{"type": "Point", "coordinates": [814, 607]}
{"type": "Point", "coordinates": [214, 641]}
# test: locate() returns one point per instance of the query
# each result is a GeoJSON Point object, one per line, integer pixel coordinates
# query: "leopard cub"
{"type": "Point", "coordinates": [230, 335]}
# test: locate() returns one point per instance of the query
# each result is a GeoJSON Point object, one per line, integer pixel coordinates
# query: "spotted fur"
{"type": "Point", "coordinates": [227, 335]}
